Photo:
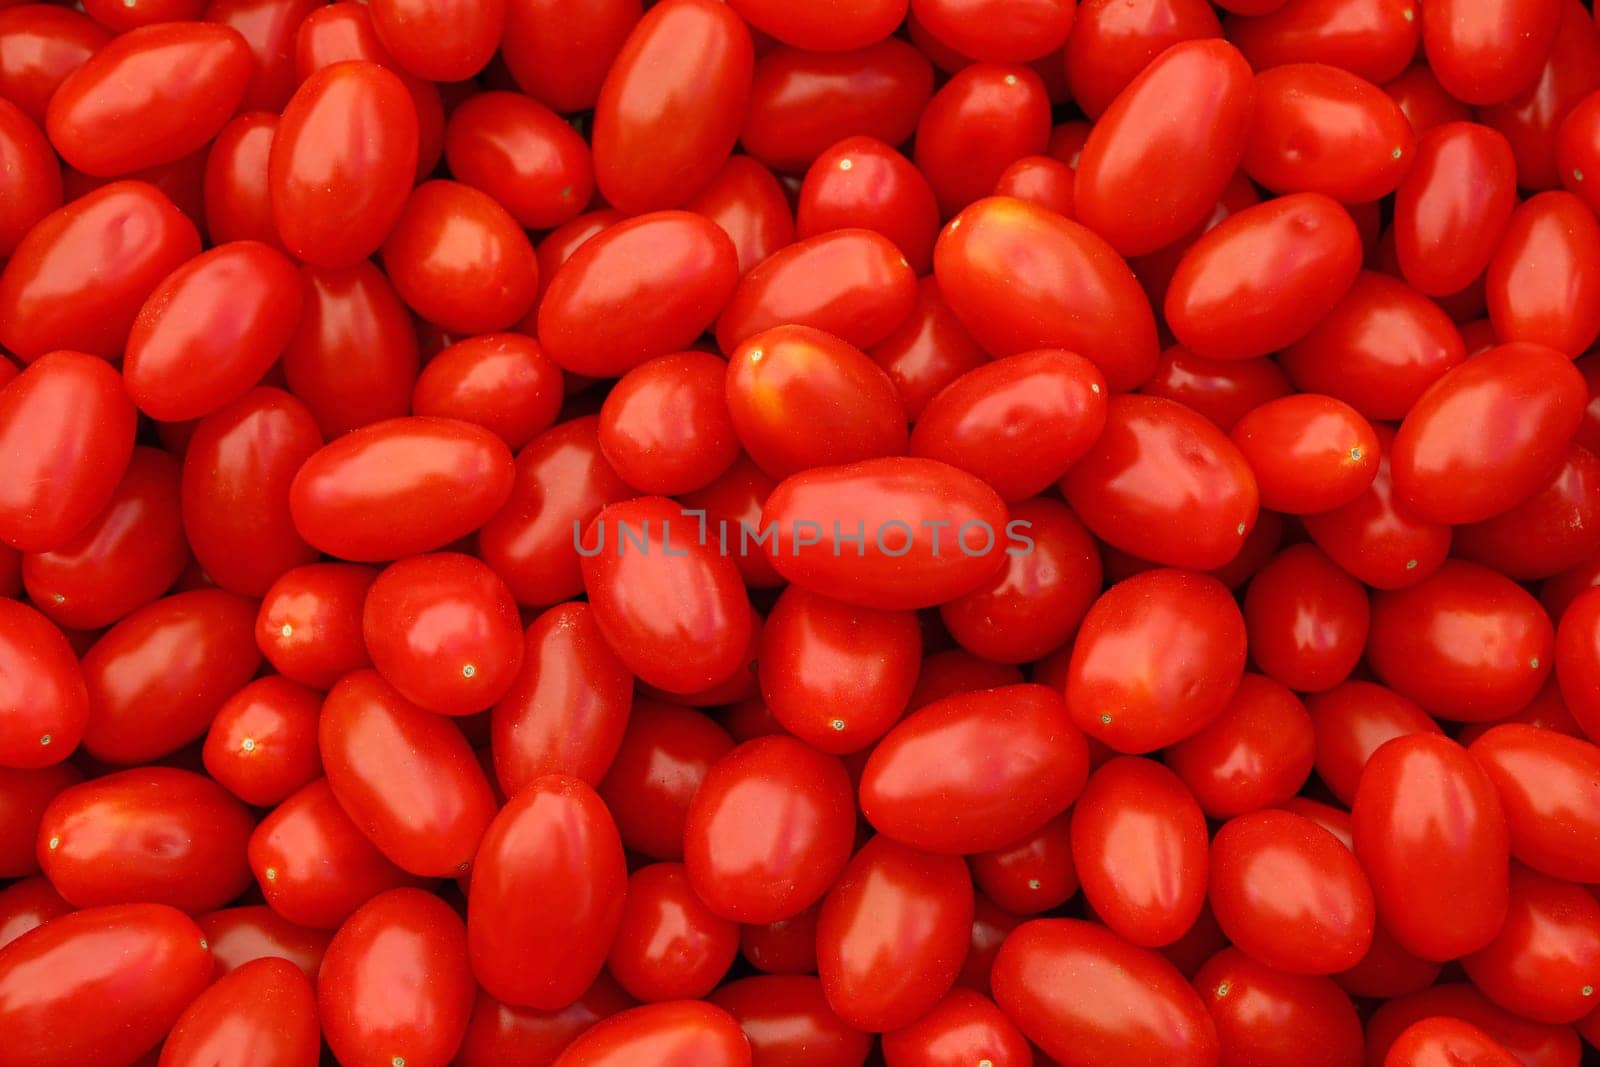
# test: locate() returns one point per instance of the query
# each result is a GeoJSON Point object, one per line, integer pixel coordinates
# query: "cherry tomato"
{"type": "Point", "coordinates": [1307, 620]}
{"type": "Point", "coordinates": [239, 936]}
{"type": "Point", "coordinates": [673, 271]}
{"type": "Point", "coordinates": [669, 946]}
{"type": "Point", "coordinates": [1546, 953]}
{"type": "Point", "coordinates": [1578, 148]}
{"type": "Point", "coordinates": [1139, 847]}
{"type": "Point", "coordinates": [190, 78]}
{"type": "Point", "coordinates": [1352, 721]}
{"type": "Point", "coordinates": [1111, 43]}
{"type": "Point", "coordinates": [238, 205]}
{"type": "Point", "coordinates": [309, 625]}
{"type": "Point", "coordinates": [769, 830]}
{"type": "Point", "coordinates": [33, 177]}
{"type": "Point", "coordinates": [1266, 1017]}
{"type": "Point", "coordinates": [521, 153]}
{"type": "Point", "coordinates": [1542, 285]}
{"type": "Point", "coordinates": [406, 776]}
{"type": "Point", "coordinates": [262, 745]}
{"type": "Point", "coordinates": [502, 381]}
{"type": "Point", "coordinates": [1547, 786]}
{"type": "Point", "coordinates": [1084, 995]}
{"type": "Point", "coordinates": [395, 984]}
{"type": "Point", "coordinates": [1256, 754]}
{"type": "Point", "coordinates": [985, 118]}
{"type": "Point", "coordinates": [1309, 453]}
{"type": "Point", "coordinates": [441, 42]}
{"type": "Point", "coordinates": [676, 1033]}
{"type": "Point", "coordinates": [560, 55]}
{"type": "Point", "coordinates": [1222, 390]}
{"type": "Point", "coordinates": [315, 867]}
{"type": "Point", "coordinates": [26, 905]}
{"type": "Point", "coordinates": [1530, 1042]}
{"type": "Point", "coordinates": [342, 162]}
{"type": "Point", "coordinates": [40, 45]}
{"type": "Point", "coordinates": [24, 795]}
{"type": "Point", "coordinates": [1578, 660]}
{"type": "Point", "coordinates": [1548, 533]}
{"type": "Point", "coordinates": [670, 107]}
{"type": "Point", "coordinates": [746, 201]}
{"type": "Point", "coordinates": [44, 705]}
{"type": "Point", "coordinates": [1421, 794]}
{"type": "Point", "coordinates": [103, 985]}
{"type": "Point", "coordinates": [264, 1013]}
{"type": "Point", "coordinates": [862, 182]}
{"type": "Point", "coordinates": [788, 1022]}
{"type": "Point", "coordinates": [1442, 1039]}
{"type": "Point", "coordinates": [1488, 52]}
{"type": "Point", "coordinates": [502, 1035]}
{"type": "Point", "coordinates": [1453, 205]}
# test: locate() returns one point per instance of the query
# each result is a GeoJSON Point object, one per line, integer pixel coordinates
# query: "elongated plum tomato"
{"type": "Point", "coordinates": [33, 183]}
{"type": "Point", "coordinates": [1453, 205]}
{"type": "Point", "coordinates": [674, 1033]}
{"type": "Point", "coordinates": [1549, 786]}
{"type": "Point", "coordinates": [1084, 995]}
{"type": "Point", "coordinates": [1262, 278]}
{"type": "Point", "coordinates": [262, 1012]}
{"type": "Point", "coordinates": [1423, 795]}
{"type": "Point", "coordinates": [190, 78]}
{"type": "Point", "coordinates": [342, 163]}
{"type": "Point", "coordinates": [554, 842]}
{"type": "Point", "coordinates": [670, 107]}
{"type": "Point", "coordinates": [893, 534]}
{"type": "Point", "coordinates": [1158, 657]}
{"type": "Point", "coordinates": [642, 288]}
{"type": "Point", "coordinates": [400, 487]}
{"type": "Point", "coordinates": [1020, 278]}
{"type": "Point", "coordinates": [1447, 469]}
{"type": "Point", "coordinates": [1543, 283]}
{"type": "Point", "coordinates": [1164, 484]}
{"type": "Point", "coordinates": [671, 604]}
{"type": "Point", "coordinates": [1156, 163]}
{"type": "Point", "coordinates": [1488, 51]}
{"type": "Point", "coordinates": [443, 42]}
{"type": "Point", "coordinates": [1309, 453]}
{"type": "Point", "coordinates": [976, 771]}
{"type": "Point", "coordinates": [100, 985]}
{"type": "Point", "coordinates": [44, 706]}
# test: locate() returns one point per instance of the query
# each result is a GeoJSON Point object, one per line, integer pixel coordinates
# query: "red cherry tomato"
{"type": "Point", "coordinates": [665, 754]}
{"type": "Point", "coordinates": [1531, 1042]}
{"type": "Point", "coordinates": [1542, 284]}
{"type": "Point", "coordinates": [1546, 953]}
{"type": "Point", "coordinates": [44, 705]}
{"type": "Point", "coordinates": [40, 45]}
{"type": "Point", "coordinates": [1139, 847]}
{"type": "Point", "coordinates": [1547, 786]}
{"type": "Point", "coordinates": [442, 42]}
{"type": "Point", "coordinates": [32, 181]}
{"type": "Point", "coordinates": [746, 201]}
{"type": "Point", "coordinates": [263, 743]}
{"type": "Point", "coordinates": [26, 905]}
{"type": "Point", "coordinates": [238, 204]}
{"type": "Point", "coordinates": [1352, 721]}
{"type": "Point", "coordinates": [1546, 534]}
{"type": "Point", "coordinates": [788, 1021]}
{"type": "Point", "coordinates": [502, 1035]}
{"type": "Point", "coordinates": [1309, 453]}
{"type": "Point", "coordinates": [1487, 52]}
{"type": "Point", "coordinates": [677, 1033]}
{"type": "Point", "coordinates": [669, 946]}
{"type": "Point", "coordinates": [501, 381]}
{"type": "Point", "coordinates": [103, 985]}
{"type": "Point", "coordinates": [1423, 795]}
{"type": "Point", "coordinates": [309, 625]}
{"type": "Point", "coordinates": [1307, 620]}
{"type": "Point", "coordinates": [395, 984]}
{"type": "Point", "coordinates": [1256, 754]}
{"type": "Point", "coordinates": [862, 182]}
{"type": "Point", "coordinates": [1275, 1019]}
{"type": "Point", "coordinates": [238, 936]}
{"type": "Point", "coordinates": [1441, 1039]}
{"type": "Point", "coordinates": [560, 55]}
{"type": "Point", "coordinates": [264, 1012]}
{"type": "Point", "coordinates": [985, 118]}
{"type": "Point", "coordinates": [24, 795]}
{"type": "Point", "coordinates": [853, 26]}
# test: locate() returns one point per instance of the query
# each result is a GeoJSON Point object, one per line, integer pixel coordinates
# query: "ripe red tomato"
{"type": "Point", "coordinates": [1188, 110]}
{"type": "Point", "coordinates": [24, 795]}
{"type": "Point", "coordinates": [309, 625]}
{"type": "Point", "coordinates": [1578, 660]}
{"type": "Point", "coordinates": [1139, 847]}
{"type": "Point", "coordinates": [1309, 453]}
{"type": "Point", "coordinates": [1257, 754]}
{"type": "Point", "coordinates": [1488, 51]}
{"type": "Point", "coordinates": [788, 1021]}
{"type": "Point", "coordinates": [553, 842]}
{"type": "Point", "coordinates": [862, 182]}
{"type": "Point", "coordinates": [26, 905]}
{"type": "Point", "coordinates": [395, 984]}
{"type": "Point", "coordinates": [33, 177]}
{"type": "Point", "coordinates": [1550, 532]}
{"type": "Point", "coordinates": [441, 42]}
{"type": "Point", "coordinates": [103, 985]}
{"type": "Point", "coordinates": [560, 55]}
{"type": "Point", "coordinates": [668, 945]}
{"type": "Point", "coordinates": [1422, 794]}
{"type": "Point", "coordinates": [677, 1033]}
{"type": "Point", "coordinates": [40, 45]}
{"type": "Point", "coordinates": [769, 830]}
{"type": "Point", "coordinates": [1222, 390]}
{"type": "Point", "coordinates": [1111, 43]}
{"type": "Point", "coordinates": [1274, 1019]}
{"type": "Point", "coordinates": [1082, 994]}
{"type": "Point", "coordinates": [263, 743]}
{"type": "Point", "coordinates": [1441, 1039]}
{"type": "Point", "coordinates": [746, 201]}
{"type": "Point", "coordinates": [1307, 620]}
{"type": "Point", "coordinates": [1547, 786]}
{"type": "Point", "coordinates": [1546, 953]}
{"type": "Point", "coordinates": [666, 426]}
{"type": "Point", "coordinates": [851, 26]}
{"type": "Point", "coordinates": [1542, 284]}
{"type": "Point", "coordinates": [501, 381]}
{"type": "Point", "coordinates": [502, 1035]}
{"type": "Point", "coordinates": [263, 1012]}
{"type": "Point", "coordinates": [985, 118]}
{"type": "Point", "coordinates": [44, 705]}
{"type": "Point", "coordinates": [1530, 1042]}
{"type": "Point", "coordinates": [1352, 721]}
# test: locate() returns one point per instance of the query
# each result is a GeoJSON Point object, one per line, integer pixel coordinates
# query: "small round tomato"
{"type": "Point", "coordinates": [190, 76]}
{"type": "Point", "coordinates": [676, 1033]}
{"type": "Point", "coordinates": [309, 625]}
{"type": "Point", "coordinates": [985, 118]}
{"type": "Point", "coordinates": [1290, 894]}
{"type": "Point", "coordinates": [747, 203]}
{"type": "Point", "coordinates": [1264, 277]}
{"type": "Point", "coordinates": [1488, 51]}
{"type": "Point", "coordinates": [343, 159]}
{"type": "Point", "coordinates": [1375, 39]}
{"type": "Point", "coordinates": [263, 743]}
{"type": "Point", "coordinates": [672, 270]}
{"type": "Point", "coordinates": [559, 55]}
{"type": "Point", "coordinates": [1256, 754]}
{"type": "Point", "coordinates": [103, 985]}
{"type": "Point", "coordinates": [1307, 620]}
{"type": "Point", "coordinates": [44, 705]}
{"type": "Point", "coordinates": [1006, 266]}
{"type": "Point", "coordinates": [862, 182]}
{"type": "Point", "coordinates": [395, 984]}
{"type": "Point", "coordinates": [26, 905]}
{"type": "Point", "coordinates": [1271, 1019]}
{"type": "Point", "coordinates": [1547, 952]}
{"type": "Point", "coordinates": [666, 428]}
{"type": "Point", "coordinates": [668, 945]}
{"type": "Point", "coordinates": [501, 381]}
{"type": "Point", "coordinates": [407, 777]}
{"type": "Point", "coordinates": [1422, 794]}
{"type": "Point", "coordinates": [315, 867]}
{"type": "Point", "coordinates": [1033, 874]}
{"type": "Point", "coordinates": [1139, 847]}
{"type": "Point", "coordinates": [522, 154]}
{"type": "Point", "coordinates": [1166, 147]}
{"type": "Point", "coordinates": [1309, 453]}
{"type": "Point", "coordinates": [669, 110]}
{"type": "Point", "coordinates": [151, 835]}
{"type": "Point", "coordinates": [553, 842]}
{"type": "Point", "coordinates": [1157, 659]}
{"type": "Point", "coordinates": [1040, 180]}
{"type": "Point", "coordinates": [400, 487]}
{"type": "Point", "coordinates": [997, 32]}
{"type": "Point", "coordinates": [769, 830]}
{"type": "Point", "coordinates": [1058, 979]}
{"type": "Point", "coordinates": [1543, 284]}
{"type": "Point", "coordinates": [445, 42]}
{"type": "Point", "coordinates": [262, 1012]}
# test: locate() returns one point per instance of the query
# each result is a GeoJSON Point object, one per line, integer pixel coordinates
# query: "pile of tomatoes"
{"type": "Point", "coordinates": [799, 533]}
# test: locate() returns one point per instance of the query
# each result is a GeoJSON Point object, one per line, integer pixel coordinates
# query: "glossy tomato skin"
{"type": "Point", "coordinates": [238, 936]}
{"type": "Point", "coordinates": [1139, 847]}
{"type": "Point", "coordinates": [1531, 1042]}
{"type": "Point", "coordinates": [521, 153]}
{"type": "Point", "coordinates": [1082, 994]}
{"type": "Point", "coordinates": [1222, 390]}
{"type": "Point", "coordinates": [669, 945]}
{"type": "Point", "coordinates": [128, 554]}
{"type": "Point", "coordinates": [1546, 783]}
{"type": "Point", "coordinates": [1310, 453]}
{"type": "Point", "coordinates": [554, 842]}
{"type": "Point", "coordinates": [1286, 264]}
{"type": "Point", "coordinates": [1374, 40]}
{"type": "Point", "coordinates": [309, 625]}
{"type": "Point", "coordinates": [1164, 484]}
{"type": "Point", "coordinates": [335, 194]}
{"type": "Point", "coordinates": [315, 867]}
{"type": "Point", "coordinates": [502, 381]}
{"type": "Point", "coordinates": [862, 182]}
{"type": "Point", "coordinates": [1127, 684]}
{"type": "Point", "coordinates": [1190, 110]}
{"type": "Point", "coordinates": [788, 1021]}
{"type": "Point", "coordinates": [654, 610]}
{"type": "Point", "coordinates": [1290, 894]}
{"type": "Point", "coordinates": [1487, 53]}
{"type": "Point", "coordinates": [1032, 874]}
{"type": "Point", "coordinates": [102, 985]}
{"type": "Point", "coordinates": [663, 758]}
{"type": "Point", "coordinates": [1550, 532]}
{"type": "Point", "coordinates": [1423, 795]}
{"type": "Point", "coordinates": [985, 118]}
{"type": "Point", "coordinates": [1352, 721]}
{"type": "Point", "coordinates": [685, 68]}
{"type": "Point", "coordinates": [1273, 1019]}
{"type": "Point", "coordinates": [769, 830]}
{"type": "Point", "coordinates": [441, 42]}
{"type": "Point", "coordinates": [927, 532]}
{"type": "Point", "coordinates": [157, 678]}
{"type": "Point", "coordinates": [666, 426]}
{"type": "Point", "coordinates": [673, 270]}
{"type": "Point", "coordinates": [675, 1033]}
{"type": "Point", "coordinates": [406, 776]}
{"type": "Point", "coordinates": [1256, 754]}
{"type": "Point", "coordinates": [1462, 171]}
{"type": "Point", "coordinates": [1546, 953]}
{"type": "Point", "coordinates": [962, 1028]}
{"type": "Point", "coordinates": [560, 56]}
{"type": "Point", "coordinates": [33, 182]}
{"type": "Point", "coordinates": [191, 78]}
{"type": "Point", "coordinates": [931, 782]}
{"type": "Point", "coordinates": [44, 704]}
{"type": "Point", "coordinates": [1535, 398]}
{"type": "Point", "coordinates": [1443, 1039]}
{"type": "Point", "coordinates": [1307, 620]}
{"type": "Point", "coordinates": [40, 46]}
{"type": "Point", "coordinates": [928, 351]}
{"type": "Point", "coordinates": [1542, 284]}
{"type": "Point", "coordinates": [238, 205]}
{"type": "Point", "coordinates": [262, 746]}
{"type": "Point", "coordinates": [893, 934]}
{"type": "Point", "coordinates": [395, 983]}
{"type": "Point", "coordinates": [747, 202]}
{"type": "Point", "coordinates": [1531, 120]}
{"type": "Point", "coordinates": [853, 283]}
{"type": "Point", "coordinates": [1111, 43]}
{"type": "Point", "coordinates": [264, 1013]}
{"type": "Point", "coordinates": [24, 796]}
{"type": "Point", "coordinates": [1004, 266]}
{"type": "Point", "coordinates": [26, 905]}
{"type": "Point", "coordinates": [501, 1035]}
{"type": "Point", "coordinates": [399, 487]}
